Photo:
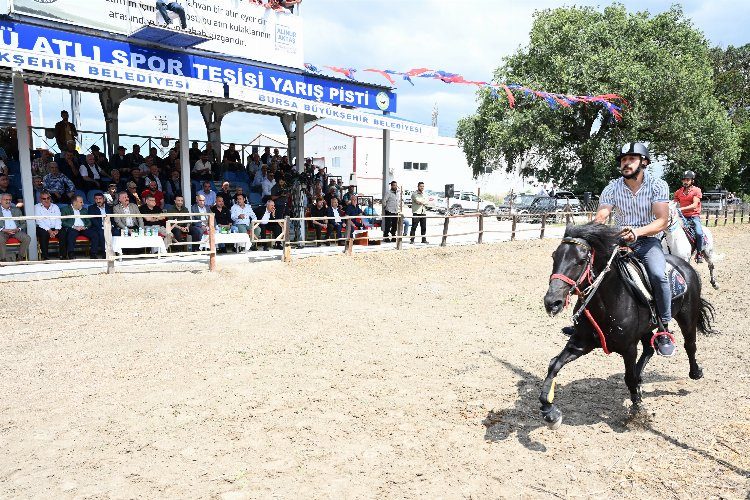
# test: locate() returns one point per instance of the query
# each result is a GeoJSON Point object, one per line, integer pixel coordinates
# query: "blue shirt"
{"type": "Point", "coordinates": [635, 209]}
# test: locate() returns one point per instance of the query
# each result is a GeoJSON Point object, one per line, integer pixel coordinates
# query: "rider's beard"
{"type": "Point", "coordinates": [634, 174]}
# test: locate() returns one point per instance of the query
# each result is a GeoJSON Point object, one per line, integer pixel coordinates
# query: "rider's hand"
{"type": "Point", "coordinates": [628, 235]}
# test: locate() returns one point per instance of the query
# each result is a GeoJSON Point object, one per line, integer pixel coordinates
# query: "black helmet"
{"type": "Point", "coordinates": [634, 148]}
{"type": "Point", "coordinates": [689, 174]}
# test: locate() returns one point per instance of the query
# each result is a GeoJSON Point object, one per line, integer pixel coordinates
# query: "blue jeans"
{"type": "Point", "coordinates": [164, 8]}
{"type": "Point", "coordinates": [695, 220]}
{"type": "Point", "coordinates": [649, 250]}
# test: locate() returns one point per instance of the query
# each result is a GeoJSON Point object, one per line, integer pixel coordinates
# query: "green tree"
{"type": "Point", "coordinates": [732, 88]}
{"type": "Point", "coordinates": [661, 64]}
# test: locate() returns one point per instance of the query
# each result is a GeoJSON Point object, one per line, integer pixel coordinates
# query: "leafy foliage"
{"type": "Point", "coordinates": [661, 64]}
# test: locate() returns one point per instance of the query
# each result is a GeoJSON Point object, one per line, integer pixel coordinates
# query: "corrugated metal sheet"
{"type": "Point", "coordinates": [7, 111]}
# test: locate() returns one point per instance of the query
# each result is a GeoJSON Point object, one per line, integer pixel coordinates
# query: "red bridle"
{"type": "Point", "coordinates": [586, 275]}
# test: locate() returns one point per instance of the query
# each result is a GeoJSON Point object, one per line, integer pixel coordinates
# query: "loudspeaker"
{"type": "Point", "coordinates": [449, 191]}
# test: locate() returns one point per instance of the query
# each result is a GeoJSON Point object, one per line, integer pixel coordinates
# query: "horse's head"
{"type": "Point", "coordinates": [575, 263]}
{"type": "Point", "coordinates": [571, 266]}
{"type": "Point", "coordinates": [674, 217]}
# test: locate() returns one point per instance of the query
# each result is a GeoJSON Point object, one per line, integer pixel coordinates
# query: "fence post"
{"type": "Point", "coordinates": [108, 244]}
{"type": "Point", "coordinates": [513, 228]}
{"type": "Point", "coordinates": [726, 214]}
{"type": "Point", "coordinates": [742, 213]}
{"type": "Point", "coordinates": [349, 240]}
{"type": "Point", "coordinates": [445, 230]}
{"type": "Point", "coordinates": [399, 231]}
{"type": "Point", "coordinates": [734, 216]}
{"type": "Point", "coordinates": [716, 218]}
{"type": "Point", "coordinates": [708, 216]}
{"type": "Point", "coordinates": [481, 229]}
{"type": "Point", "coordinates": [286, 255]}
{"type": "Point", "coordinates": [544, 225]}
{"type": "Point", "coordinates": [211, 242]}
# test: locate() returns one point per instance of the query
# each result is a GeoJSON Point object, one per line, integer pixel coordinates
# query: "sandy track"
{"type": "Point", "coordinates": [386, 375]}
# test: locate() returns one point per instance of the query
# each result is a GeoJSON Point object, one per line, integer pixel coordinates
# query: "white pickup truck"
{"type": "Point", "coordinates": [465, 201]}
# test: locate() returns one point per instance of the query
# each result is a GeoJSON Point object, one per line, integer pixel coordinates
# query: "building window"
{"type": "Point", "coordinates": [422, 166]}
{"type": "Point", "coordinates": [335, 162]}
{"type": "Point", "coordinates": [407, 165]}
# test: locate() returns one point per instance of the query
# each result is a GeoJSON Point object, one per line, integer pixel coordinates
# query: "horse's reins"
{"type": "Point", "coordinates": [588, 293]}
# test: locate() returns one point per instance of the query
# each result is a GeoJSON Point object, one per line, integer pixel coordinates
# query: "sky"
{"type": "Point", "coordinates": [469, 38]}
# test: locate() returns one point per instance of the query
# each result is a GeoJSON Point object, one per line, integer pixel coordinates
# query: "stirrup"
{"type": "Point", "coordinates": [659, 334]}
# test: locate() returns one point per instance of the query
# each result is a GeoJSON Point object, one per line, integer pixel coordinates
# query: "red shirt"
{"type": "Point", "coordinates": [685, 199]}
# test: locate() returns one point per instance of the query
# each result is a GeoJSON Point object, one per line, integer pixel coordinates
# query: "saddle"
{"type": "Point", "coordinates": [687, 226]}
{"type": "Point", "coordinates": [633, 273]}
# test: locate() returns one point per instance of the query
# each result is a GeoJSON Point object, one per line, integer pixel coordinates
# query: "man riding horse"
{"type": "Point", "coordinates": [689, 197]}
{"type": "Point", "coordinates": [642, 210]}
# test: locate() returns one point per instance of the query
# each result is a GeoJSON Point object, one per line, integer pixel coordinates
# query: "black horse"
{"type": "Point", "coordinates": [622, 319]}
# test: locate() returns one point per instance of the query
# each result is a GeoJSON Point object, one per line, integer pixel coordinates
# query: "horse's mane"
{"type": "Point", "coordinates": [601, 237]}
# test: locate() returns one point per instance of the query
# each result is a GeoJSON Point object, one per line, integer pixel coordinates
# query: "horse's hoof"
{"type": "Point", "coordinates": [697, 374]}
{"type": "Point", "coordinates": [552, 416]}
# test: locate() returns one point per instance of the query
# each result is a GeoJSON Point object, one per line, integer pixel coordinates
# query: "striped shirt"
{"type": "Point", "coordinates": [635, 209]}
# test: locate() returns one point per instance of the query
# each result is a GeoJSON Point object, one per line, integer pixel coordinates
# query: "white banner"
{"type": "Point", "coordinates": [88, 69]}
{"type": "Point", "coordinates": [235, 27]}
{"type": "Point", "coordinates": [323, 110]}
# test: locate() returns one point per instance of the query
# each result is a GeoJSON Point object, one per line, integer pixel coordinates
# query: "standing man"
{"type": "Point", "coordinates": [390, 211]}
{"type": "Point", "coordinates": [12, 229]}
{"type": "Point", "coordinates": [689, 197]}
{"type": "Point", "coordinates": [65, 134]}
{"type": "Point", "coordinates": [419, 212]}
{"type": "Point", "coordinates": [642, 203]}
{"type": "Point", "coordinates": [46, 225]}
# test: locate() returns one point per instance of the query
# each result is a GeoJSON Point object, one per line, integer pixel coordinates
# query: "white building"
{"type": "Point", "coordinates": [356, 154]}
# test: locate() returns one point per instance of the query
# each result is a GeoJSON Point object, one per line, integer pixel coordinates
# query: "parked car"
{"type": "Point", "coordinates": [558, 207]}
{"type": "Point", "coordinates": [512, 204]}
{"type": "Point", "coordinates": [465, 201]}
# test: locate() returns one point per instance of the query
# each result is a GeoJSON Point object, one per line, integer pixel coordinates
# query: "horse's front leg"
{"type": "Point", "coordinates": [632, 374]}
{"type": "Point", "coordinates": [711, 270]}
{"type": "Point", "coordinates": [573, 350]}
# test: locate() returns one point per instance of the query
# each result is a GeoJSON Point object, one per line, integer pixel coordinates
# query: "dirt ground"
{"type": "Point", "coordinates": [389, 375]}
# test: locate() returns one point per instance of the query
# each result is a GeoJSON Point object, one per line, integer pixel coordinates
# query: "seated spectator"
{"type": "Point", "coordinates": [120, 160]}
{"type": "Point", "coordinates": [12, 229]}
{"type": "Point", "coordinates": [47, 225]}
{"type": "Point", "coordinates": [353, 210]}
{"type": "Point", "coordinates": [224, 193]}
{"type": "Point", "coordinates": [369, 210]}
{"type": "Point", "coordinates": [222, 219]}
{"type": "Point", "coordinates": [232, 159]}
{"type": "Point", "coordinates": [181, 231]}
{"type": "Point", "coordinates": [319, 210]}
{"type": "Point", "coordinates": [154, 174]}
{"type": "Point", "coordinates": [133, 194]}
{"type": "Point", "coordinates": [133, 221]}
{"type": "Point", "coordinates": [335, 223]}
{"type": "Point", "coordinates": [154, 191]}
{"type": "Point", "coordinates": [70, 167]}
{"type": "Point", "coordinates": [39, 165]}
{"type": "Point", "coordinates": [238, 192]}
{"type": "Point", "coordinates": [211, 153]}
{"type": "Point", "coordinates": [4, 170]}
{"type": "Point", "coordinates": [200, 227]}
{"type": "Point", "coordinates": [172, 160]}
{"type": "Point", "coordinates": [260, 176]}
{"type": "Point", "coordinates": [110, 196]}
{"type": "Point", "coordinates": [6, 189]}
{"type": "Point", "coordinates": [253, 164]}
{"type": "Point", "coordinates": [153, 153]}
{"type": "Point", "coordinates": [347, 198]}
{"type": "Point", "coordinates": [102, 208]}
{"type": "Point", "coordinates": [173, 187]}
{"type": "Point", "coordinates": [92, 176]}
{"type": "Point", "coordinates": [136, 176]}
{"type": "Point", "coordinates": [330, 195]}
{"type": "Point", "coordinates": [208, 194]}
{"type": "Point", "coordinates": [73, 228]}
{"type": "Point", "coordinates": [38, 186]}
{"type": "Point", "coordinates": [100, 159]}
{"type": "Point", "coordinates": [194, 153]}
{"type": "Point", "coordinates": [267, 185]}
{"type": "Point", "coordinates": [153, 219]}
{"type": "Point", "coordinates": [59, 186]}
{"type": "Point", "coordinates": [202, 169]}
{"type": "Point", "coordinates": [117, 180]}
{"type": "Point", "coordinates": [243, 216]}
{"type": "Point", "coordinates": [274, 227]}
{"type": "Point", "coordinates": [134, 159]}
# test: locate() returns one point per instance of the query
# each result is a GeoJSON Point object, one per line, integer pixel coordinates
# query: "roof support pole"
{"type": "Point", "coordinates": [213, 114]}
{"type": "Point", "coordinates": [21, 102]}
{"type": "Point", "coordinates": [289, 122]}
{"type": "Point", "coordinates": [110, 100]}
{"type": "Point", "coordinates": [182, 114]}
{"type": "Point", "coordinates": [386, 162]}
{"type": "Point", "coordinates": [299, 135]}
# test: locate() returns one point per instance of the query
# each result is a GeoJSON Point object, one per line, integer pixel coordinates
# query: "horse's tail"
{"type": "Point", "coordinates": [706, 318]}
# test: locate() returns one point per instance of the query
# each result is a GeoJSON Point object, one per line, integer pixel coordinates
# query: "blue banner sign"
{"type": "Point", "coordinates": [53, 51]}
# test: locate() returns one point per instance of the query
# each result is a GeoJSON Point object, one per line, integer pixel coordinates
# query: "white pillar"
{"type": "Point", "coordinates": [300, 142]}
{"type": "Point", "coordinates": [21, 101]}
{"type": "Point", "coordinates": [386, 162]}
{"type": "Point", "coordinates": [182, 113]}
